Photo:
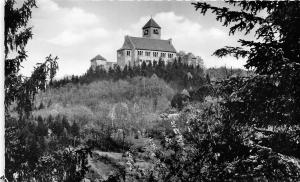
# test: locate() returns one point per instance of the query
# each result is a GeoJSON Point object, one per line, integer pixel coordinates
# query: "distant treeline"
{"type": "Point", "coordinates": [176, 74]}
{"type": "Point", "coordinates": [223, 72]}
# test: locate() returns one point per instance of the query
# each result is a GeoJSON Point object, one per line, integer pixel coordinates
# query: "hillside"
{"type": "Point", "coordinates": [139, 99]}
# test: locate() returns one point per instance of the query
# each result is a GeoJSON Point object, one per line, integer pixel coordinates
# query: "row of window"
{"type": "Point", "coordinates": [140, 61]}
{"type": "Point", "coordinates": [155, 54]}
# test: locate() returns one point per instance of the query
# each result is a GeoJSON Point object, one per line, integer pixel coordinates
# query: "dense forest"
{"type": "Point", "coordinates": [178, 75]}
{"type": "Point", "coordinates": [160, 122]}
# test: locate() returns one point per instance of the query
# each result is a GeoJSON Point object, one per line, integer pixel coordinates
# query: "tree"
{"type": "Point", "coordinates": [22, 151]}
{"type": "Point", "coordinates": [269, 98]}
{"type": "Point", "coordinates": [41, 106]}
{"type": "Point", "coordinates": [275, 59]}
{"type": "Point", "coordinates": [231, 140]}
{"type": "Point", "coordinates": [65, 123]}
{"type": "Point", "coordinates": [75, 129]}
{"type": "Point", "coordinates": [41, 129]}
{"type": "Point", "coordinates": [179, 101]}
{"type": "Point", "coordinates": [125, 71]}
{"type": "Point", "coordinates": [130, 71]}
{"type": "Point", "coordinates": [58, 128]}
{"type": "Point", "coordinates": [16, 35]}
{"type": "Point", "coordinates": [149, 69]}
{"type": "Point", "coordinates": [207, 79]}
{"type": "Point", "coordinates": [117, 72]}
{"type": "Point", "coordinates": [144, 69]}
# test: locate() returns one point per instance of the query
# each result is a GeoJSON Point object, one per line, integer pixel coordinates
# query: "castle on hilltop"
{"type": "Point", "coordinates": [148, 48]}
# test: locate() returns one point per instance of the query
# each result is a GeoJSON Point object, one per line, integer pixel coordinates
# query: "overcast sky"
{"type": "Point", "coordinates": [76, 31]}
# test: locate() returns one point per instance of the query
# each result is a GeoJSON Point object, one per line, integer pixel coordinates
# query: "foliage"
{"type": "Point", "coordinates": [108, 113]}
{"type": "Point", "coordinates": [25, 138]}
{"type": "Point", "coordinates": [179, 101]}
{"type": "Point", "coordinates": [204, 150]}
{"type": "Point", "coordinates": [175, 73]}
{"type": "Point", "coordinates": [58, 165]}
{"type": "Point", "coordinates": [222, 73]}
{"type": "Point", "coordinates": [20, 89]}
{"type": "Point", "coordinates": [252, 105]}
{"type": "Point", "coordinates": [102, 102]}
{"type": "Point", "coordinates": [269, 98]}
{"type": "Point", "coordinates": [252, 132]}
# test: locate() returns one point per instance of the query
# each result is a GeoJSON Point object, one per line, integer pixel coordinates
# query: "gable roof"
{"type": "Point", "coordinates": [127, 44]}
{"type": "Point", "coordinates": [151, 23]}
{"type": "Point", "coordinates": [143, 43]}
{"type": "Point", "coordinates": [98, 57]}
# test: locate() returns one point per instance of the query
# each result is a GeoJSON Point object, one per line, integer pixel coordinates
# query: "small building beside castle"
{"type": "Point", "coordinates": [148, 48]}
{"type": "Point", "coordinates": [190, 59]}
{"type": "Point", "coordinates": [101, 62]}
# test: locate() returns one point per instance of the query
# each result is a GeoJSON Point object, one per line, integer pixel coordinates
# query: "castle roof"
{"type": "Point", "coordinates": [144, 43]}
{"type": "Point", "coordinates": [98, 57]}
{"type": "Point", "coordinates": [151, 23]}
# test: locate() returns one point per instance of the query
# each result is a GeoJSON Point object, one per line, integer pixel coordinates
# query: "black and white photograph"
{"type": "Point", "coordinates": [150, 91]}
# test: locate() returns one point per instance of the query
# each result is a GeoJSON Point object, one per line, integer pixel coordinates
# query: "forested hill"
{"type": "Point", "coordinates": [178, 75]}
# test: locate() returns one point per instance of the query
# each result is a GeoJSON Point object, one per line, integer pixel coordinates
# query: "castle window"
{"type": "Point", "coordinates": [163, 54]}
{"type": "Point", "coordinates": [147, 53]}
{"type": "Point", "coordinates": [170, 55]}
{"type": "Point", "coordinates": [140, 53]}
{"type": "Point", "coordinates": [128, 53]}
{"type": "Point", "coordinates": [155, 54]}
{"type": "Point", "coordinates": [155, 31]}
{"type": "Point", "coordinates": [146, 32]}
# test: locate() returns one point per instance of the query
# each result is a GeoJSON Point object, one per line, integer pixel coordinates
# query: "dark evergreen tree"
{"type": "Point", "coordinates": [41, 106]}
{"type": "Point", "coordinates": [144, 69]}
{"type": "Point", "coordinates": [75, 129]}
{"type": "Point", "coordinates": [149, 69]}
{"type": "Point", "coordinates": [41, 129]}
{"type": "Point", "coordinates": [125, 72]}
{"type": "Point", "coordinates": [58, 128]}
{"type": "Point", "coordinates": [207, 79]}
{"type": "Point", "coordinates": [130, 71]}
{"type": "Point", "coordinates": [155, 63]}
{"type": "Point", "coordinates": [66, 123]}
{"type": "Point", "coordinates": [111, 72]}
{"type": "Point", "coordinates": [137, 69]}
{"type": "Point", "coordinates": [118, 72]}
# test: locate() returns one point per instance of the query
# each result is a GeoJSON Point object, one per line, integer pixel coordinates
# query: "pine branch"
{"type": "Point", "coordinates": [237, 52]}
{"type": "Point", "coordinates": [242, 20]}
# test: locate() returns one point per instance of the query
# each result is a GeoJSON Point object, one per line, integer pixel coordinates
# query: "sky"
{"type": "Point", "coordinates": [77, 30]}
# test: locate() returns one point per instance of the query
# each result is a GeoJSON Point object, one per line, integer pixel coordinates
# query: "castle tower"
{"type": "Point", "coordinates": [151, 30]}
